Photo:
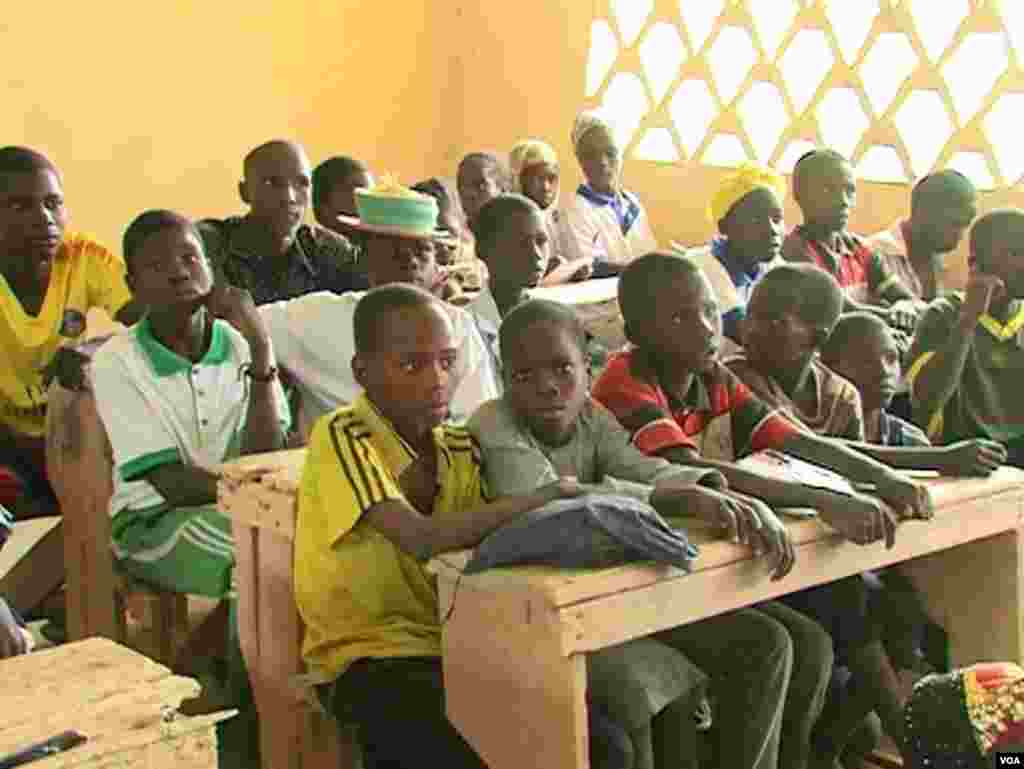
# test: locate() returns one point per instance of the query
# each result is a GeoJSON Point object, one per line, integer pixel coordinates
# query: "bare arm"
{"type": "Point", "coordinates": [974, 457]}
{"type": "Point", "coordinates": [423, 536]}
{"type": "Point", "coordinates": [938, 378]}
{"type": "Point", "coordinates": [263, 424]}
{"type": "Point", "coordinates": [183, 485]}
{"type": "Point", "coordinates": [263, 420]}
{"type": "Point", "coordinates": [756, 484]}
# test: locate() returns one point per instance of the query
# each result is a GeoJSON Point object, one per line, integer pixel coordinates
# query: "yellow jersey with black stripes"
{"type": "Point", "coordinates": [359, 594]}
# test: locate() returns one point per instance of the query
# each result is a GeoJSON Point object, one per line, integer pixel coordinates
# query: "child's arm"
{"type": "Point", "coordinates": [974, 457]}
{"type": "Point", "coordinates": [265, 424]}
{"type": "Point", "coordinates": [424, 536]}
{"type": "Point", "coordinates": [905, 496]}
{"type": "Point", "coordinates": [858, 518]}
{"type": "Point", "coordinates": [943, 341]}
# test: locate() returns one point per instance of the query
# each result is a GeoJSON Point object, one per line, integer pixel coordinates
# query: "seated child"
{"type": "Point", "coordinates": [192, 385]}
{"type": "Point", "coordinates": [269, 251]}
{"type": "Point", "coordinates": [968, 353]}
{"type": "Point", "coordinates": [605, 225]}
{"type": "Point", "coordinates": [52, 278]}
{"type": "Point", "coordinates": [387, 485]}
{"type": "Point", "coordinates": [546, 426]}
{"type": "Point", "coordinates": [942, 207]}
{"type": "Point", "coordinates": [513, 241]}
{"type": "Point", "coordinates": [314, 340]}
{"type": "Point", "coordinates": [747, 209]}
{"type": "Point", "coordinates": [683, 405]}
{"type": "Point", "coordinates": [480, 178]}
{"type": "Point", "coordinates": [826, 191]}
{"type": "Point", "coordinates": [335, 182]}
{"type": "Point", "coordinates": [535, 174]}
{"type": "Point", "coordinates": [456, 265]}
{"type": "Point", "coordinates": [861, 348]}
{"type": "Point", "coordinates": [789, 321]}
{"type": "Point", "coordinates": [790, 316]}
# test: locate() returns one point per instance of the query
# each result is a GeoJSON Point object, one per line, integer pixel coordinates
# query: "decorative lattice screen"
{"type": "Point", "coordinates": [901, 87]}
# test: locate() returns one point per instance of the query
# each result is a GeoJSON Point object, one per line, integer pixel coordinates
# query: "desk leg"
{"type": "Point", "coordinates": [975, 591]}
{"type": "Point", "coordinates": [510, 690]}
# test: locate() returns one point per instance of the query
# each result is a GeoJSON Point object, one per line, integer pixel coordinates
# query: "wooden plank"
{"type": "Point", "coordinates": [32, 563]}
{"type": "Point", "coordinates": [611, 619]}
{"type": "Point", "coordinates": [80, 469]}
{"type": "Point", "coordinates": [979, 589]}
{"type": "Point", "coordinates": [495, 648]}
{"type": "Point", "coordinates": [122, 701]}
{"type": "Point", "coordinates": [565, 587]}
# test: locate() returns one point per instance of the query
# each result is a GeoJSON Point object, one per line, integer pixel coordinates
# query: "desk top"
{"type": "Point", "coordinates": [260, 491]}
{"type": "Point", "coordinates": [585, 292]}
{"type": "Point", "coordinates": [951, 497]}
{"type": "Point", "coordinates": [121, 700]}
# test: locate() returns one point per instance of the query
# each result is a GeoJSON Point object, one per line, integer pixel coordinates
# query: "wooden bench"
{"type": "Point", "coordinates": [124, 703]}
{"type": "Point", "coordinates": [518, 636]}
{"type": "Point", "coordinates": [80, 467]}
{"type": "Point", "coordinates": [259, 493]}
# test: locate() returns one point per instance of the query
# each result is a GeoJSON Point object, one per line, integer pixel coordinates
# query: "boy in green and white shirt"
{"type": "Point", "coordinates": [180, 393]}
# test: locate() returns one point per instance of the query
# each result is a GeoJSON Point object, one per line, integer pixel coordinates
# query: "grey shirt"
{"type": "Point", "coordinates": [599, 452]}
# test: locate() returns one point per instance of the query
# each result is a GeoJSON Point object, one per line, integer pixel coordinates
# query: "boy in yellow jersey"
{"type": "Point", "coordinates": [386, 486]}
{"type": "Point", "coordinates": [51, 279]}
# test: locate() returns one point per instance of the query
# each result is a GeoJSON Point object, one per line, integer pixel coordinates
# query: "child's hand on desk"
{"type": "Point", "coordinates": [741, 519]}
{"type": "Point", "coordinates": [860, 519]}
{"type": "Point", "coordinates": [772, 540]}
{"type": "Point", "coordinates": [908, 498]}
{"type": "Point", "coordinates": [976, 457]}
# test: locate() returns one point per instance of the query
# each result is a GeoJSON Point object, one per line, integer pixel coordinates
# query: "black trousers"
{"type": "Point", "coordinates": [398, 706]}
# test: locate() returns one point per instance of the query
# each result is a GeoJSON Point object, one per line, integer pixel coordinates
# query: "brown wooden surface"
{"type": "Point", "coordinates": [122, 701]}
{"type": "Point", "coordinates": [80, 467]}
{"type": "Point", "coordinates": [507, 627]}
{"type": "Point", "coordinates": [517, 635]}
{"type": "Point", "coordinates": [32, 563]}
{"type": "Point", "coordinates": [258, 492]}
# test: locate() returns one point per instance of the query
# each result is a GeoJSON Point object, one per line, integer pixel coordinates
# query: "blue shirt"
{"type": "Point", "coordinates": [744, 280]}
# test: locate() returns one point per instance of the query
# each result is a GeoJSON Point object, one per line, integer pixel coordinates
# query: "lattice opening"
{"type": "Point", "coordinates": [900, 86]}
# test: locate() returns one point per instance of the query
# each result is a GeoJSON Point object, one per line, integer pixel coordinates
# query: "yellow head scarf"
{"type": "Point", "coordinates": [586, 122]}
{"type": "Point", "coordinates": [529, 152]}
{"type": "Point", "coordinates": [737, 185]}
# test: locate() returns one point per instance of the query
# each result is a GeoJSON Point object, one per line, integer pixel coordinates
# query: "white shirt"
{"type": "Point", "coordinates": [314, 340]}
{"type": "Point", "coordinates": [485, 313]}
{"type": "Point", "coordinates": [159, 408]}
{"type": "Point", "coordinates": [593, 231]}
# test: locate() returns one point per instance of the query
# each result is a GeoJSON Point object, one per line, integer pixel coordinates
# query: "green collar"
{"type": "Point", "coordinates": [167, 362]}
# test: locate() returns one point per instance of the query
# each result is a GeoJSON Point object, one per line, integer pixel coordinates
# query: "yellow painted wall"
{"type": "Point", "coordinates": [149, 104]}
{"type": "Point", "coordinates": [524, 68]}
{"type": "Point", "coordinates": [153, 105]}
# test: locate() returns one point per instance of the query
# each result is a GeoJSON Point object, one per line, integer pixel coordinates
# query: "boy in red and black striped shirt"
{"type": "Point", "coordinates": [682, 404]}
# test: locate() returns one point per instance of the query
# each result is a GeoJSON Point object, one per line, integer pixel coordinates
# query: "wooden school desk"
{"type": "Point", "coordinates": [515, 639]}
{"type": "Point", "coordinates": [123, 702]}
{"type": "Point", "coordinates": [596, 302]}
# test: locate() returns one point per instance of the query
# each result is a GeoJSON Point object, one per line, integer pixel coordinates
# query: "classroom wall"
{"type": "Point", "coordinates": [528, 60]}
{"type": "Point", "coordinates": [155, 104]}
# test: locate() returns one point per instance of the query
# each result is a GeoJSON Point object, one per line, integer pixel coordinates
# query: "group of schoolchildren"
{"type": "Point", "coordinates": [430, 425]}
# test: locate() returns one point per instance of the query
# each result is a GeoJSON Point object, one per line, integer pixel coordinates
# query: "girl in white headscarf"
{"type": "Point", "coordinates": [535, 174]}
{"type": "Point", "coordinates": [604, 223]}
